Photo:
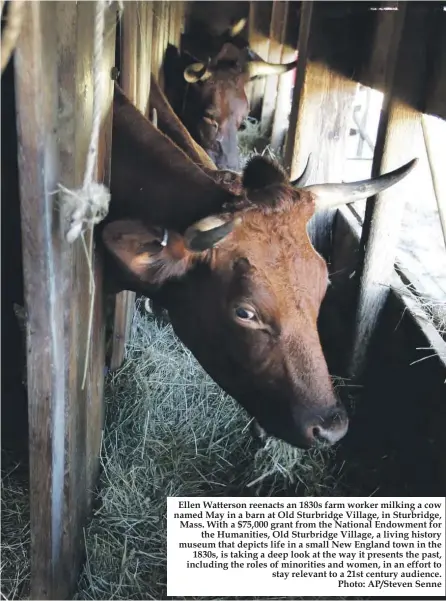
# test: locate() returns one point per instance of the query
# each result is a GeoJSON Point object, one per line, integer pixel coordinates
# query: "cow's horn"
{"type": "Point", "coordinates": [196, 72]}
{"type": "Point", "coordinates": [332, 195]}
{"type": "Point", "coordinates": [237, 27]}
{"type": "Point", "coordinates": [207, 232]}
{"type": "Point", "coordinates": [262, 68]}
{"type": "Point", "coordinates": [300, 181]}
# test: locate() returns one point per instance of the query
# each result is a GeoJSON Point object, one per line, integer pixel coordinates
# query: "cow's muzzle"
{"type": "Point", "coordinates": [325, 427]}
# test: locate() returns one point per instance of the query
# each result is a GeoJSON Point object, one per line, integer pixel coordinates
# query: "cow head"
{"type": "Point", "coordinates": [214, 103]}
{"type": "Point", "coordinates": [243, 290]}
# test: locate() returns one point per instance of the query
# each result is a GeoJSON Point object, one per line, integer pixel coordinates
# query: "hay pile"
{"type": "Point", "coordinates": [252, 141]}
{"type": "Point", "coordinates": [15, 533]}
{"type": "Point", "coordinates": [171, 431]}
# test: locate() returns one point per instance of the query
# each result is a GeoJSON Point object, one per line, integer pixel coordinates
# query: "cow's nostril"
{"type": "Point", "coordinates": [327, 430]}
{"type": "Point", "coordinates": [317, 433]}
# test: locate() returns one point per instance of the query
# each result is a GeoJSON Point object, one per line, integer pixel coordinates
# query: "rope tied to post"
{"type": "Point", "coordinates": [88, 205]}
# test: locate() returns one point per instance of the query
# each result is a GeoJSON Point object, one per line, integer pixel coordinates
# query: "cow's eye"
{"type": "Point", "coordinates": [244, 313]}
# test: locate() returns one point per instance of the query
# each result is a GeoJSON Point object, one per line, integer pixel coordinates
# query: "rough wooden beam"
{"type": "Point", "coordinates": [319, 122]}
{"type": "Point", "coordinates": [382, 223]}
{"type": "Point", "coordinates": [275, 52]}
{"type": "Point", "coordinates": [286, 82]}
{"type": "Point", "coordinates": [136, 64]}
{"type": "Point", "coordinates": [434, 133]}
{"type": "Point", "coordinates": [258, 32]}
{"type": "Point", "coordinates": [53, 68]}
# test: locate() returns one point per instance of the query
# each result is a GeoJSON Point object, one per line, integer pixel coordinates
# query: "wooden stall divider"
{"type": "Point", "coordinates": [136, 53]}
{"type": "Point", "coordinates": [286, 82]}
{"type": "Point", "coordinates": [147, 28]}
{"type": "Point", "coordinates": [258, 31]}
{"type": "Point", "coordinates": [275, 55]}
{"type": "Point", "coordinates": [54, 79]}
{"type": "Point", "coordinates": [319, 123]}
{"type": "Point", "coordinates": [398, 141]}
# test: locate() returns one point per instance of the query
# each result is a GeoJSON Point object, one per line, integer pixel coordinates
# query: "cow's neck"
{"type": "Point", "coordinates": [154, 180]}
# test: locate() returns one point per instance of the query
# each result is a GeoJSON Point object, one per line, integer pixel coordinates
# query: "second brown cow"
{"type": "Point", "coordinates": [209, 94]}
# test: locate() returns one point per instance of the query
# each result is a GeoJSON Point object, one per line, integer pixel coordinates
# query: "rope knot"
{"type": "Point", "coordinates": [86, 206]}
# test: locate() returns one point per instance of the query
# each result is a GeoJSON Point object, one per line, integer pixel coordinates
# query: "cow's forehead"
{"type": "Point", "coordinates": [288, 275]}
{"type": "Point", "coordinates": [276, 239]}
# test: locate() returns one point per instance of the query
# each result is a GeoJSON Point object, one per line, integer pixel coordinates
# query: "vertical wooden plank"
{"type": "Point", "coordinates": [382, 223]}
{"type": "Point", "coordinates": [286, 82]}
{"type": "Point", "coordinates": [156, 36]}
{"type": "Point", "coordinates": [54, 103]}
{"type": "Point", "coordinates": [46, 385]}
{"type": "Point", "coordinates": [277, 35]}
{"type": "Point", "coordinates": [319, 122]}
{"type": "Point", "coordinates": [136, 63]}
{"type": "Point", "coordinates": [258, 32]}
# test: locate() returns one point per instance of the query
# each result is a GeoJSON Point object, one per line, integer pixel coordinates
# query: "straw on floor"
{"type": "Point", "coordinates": [171, 431]}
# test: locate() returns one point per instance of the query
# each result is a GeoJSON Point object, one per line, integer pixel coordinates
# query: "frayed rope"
{"type": "Point", "coordinates": [87, 206]}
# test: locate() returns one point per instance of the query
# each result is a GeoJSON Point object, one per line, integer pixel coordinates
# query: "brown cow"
{"type": "Point", "coordinates": [209, 96]}
{"type": "Point", "coordinates": [238, 275]}
{"type": "Point", "coordinates": [172, 127]}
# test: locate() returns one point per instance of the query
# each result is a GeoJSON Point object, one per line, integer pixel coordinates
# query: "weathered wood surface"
{"type": "Point", "coordinates": [382, 223]}
{"type": "Point", "coordinates": [319, 122]}
{"type": "Point", "coordinates": [53, 64]}
{"type": "Point", "coordinates": [146, 30]}
{"type": "Point", "coordinates": [286, 82]}
{"type": "Point", "coordinates": [277, 32]}
{"type": "Point", "coordinates": [404, 133]}
{"type": "Point", "coordinates": [258, 36]}
{"type": "Point", "coordinates": [136, 63]}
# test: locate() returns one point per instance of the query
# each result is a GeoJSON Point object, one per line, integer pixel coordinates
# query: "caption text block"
{"type": "Point", "coordinates": [269, 546]}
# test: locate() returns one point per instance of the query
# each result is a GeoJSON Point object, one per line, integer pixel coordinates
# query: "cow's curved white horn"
{"type": "Point", "coordinates": [196, 72]}
{"type": "Point", "coordinates": [329, 196]}
{"type": "Point", "coordinates": [237, 27]}
{"type": "Point", "coordinates": [300, 181]}
{"type": "Point", "coordinates": [263, 69]}
{"type": "Point", "coordinates": [207, 232]}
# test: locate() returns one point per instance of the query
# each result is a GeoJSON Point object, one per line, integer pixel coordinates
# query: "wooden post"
{"type": "Point", "coordinates": [136, 64]}
{"type": "Point", "coordinates": [54, 79]}
{"type": "Point", "coordinates": [258, 24]}
{"type": "Point", "coordinates": [286, 82]}
{"type": "Point", "coordinates": [319, 123]}
{"type": "Point", "coordinates": [382, 223]}
{"type": "Point", "coordinates": [275, 52]}
{"type": "Point", "coordinates": [147, 28]}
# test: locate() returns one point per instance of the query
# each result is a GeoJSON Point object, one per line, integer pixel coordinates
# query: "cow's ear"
{"type": "Point", "coordinates": [261, 172]}
{"type": "Point", "coordinates": [151, 254]}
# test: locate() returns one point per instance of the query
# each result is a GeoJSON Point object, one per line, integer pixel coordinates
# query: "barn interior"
{"type": "Point", "coordinates": [125, 443]}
